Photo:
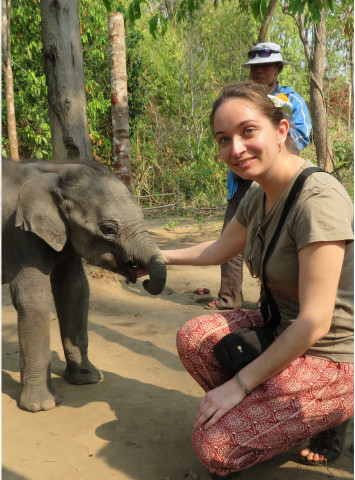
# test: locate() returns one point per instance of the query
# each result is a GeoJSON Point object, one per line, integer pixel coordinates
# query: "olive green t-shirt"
{"type": "Point", "coordinates": [322, 212]}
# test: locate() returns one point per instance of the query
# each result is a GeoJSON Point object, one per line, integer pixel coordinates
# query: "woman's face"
{"type": "Point", "coordinates": [248, 142]}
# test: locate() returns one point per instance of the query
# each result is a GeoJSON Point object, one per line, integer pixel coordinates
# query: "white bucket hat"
{"type": "Point", "coordinates": [272, 54]}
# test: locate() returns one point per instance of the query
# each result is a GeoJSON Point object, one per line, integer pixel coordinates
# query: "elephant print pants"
{"type": "Point", "coordinates": [309, 396]}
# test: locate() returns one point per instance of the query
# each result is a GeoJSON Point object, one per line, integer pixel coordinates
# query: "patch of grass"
{"type": "Point", "coordinates": [171, 225]}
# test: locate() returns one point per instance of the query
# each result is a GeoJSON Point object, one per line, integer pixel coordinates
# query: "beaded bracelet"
{"type": "Point", "coordinates": [241, 384]}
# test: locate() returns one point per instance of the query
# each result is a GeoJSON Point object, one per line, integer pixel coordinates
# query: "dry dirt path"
{"type": "Point", "coordinates": [136, 424]}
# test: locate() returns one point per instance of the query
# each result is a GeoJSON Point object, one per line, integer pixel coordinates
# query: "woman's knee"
{"type": "Point", "coordinates": [187, 337]}
{"type": "Point", "coordinates": [206, 330]}
{"type": "Point", "coordinates": [202, 445]}
{"type": "Point", "coordinates": [211, 447]}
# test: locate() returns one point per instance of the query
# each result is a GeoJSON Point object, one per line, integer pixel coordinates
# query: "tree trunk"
{"type": "Point", "coordinates": [266, 21]}
{"type": "Point", "coordinates": [119, 99]}
{"type": "Point", "coordinates": [351, 83]}
{"type": "Point", "coordinates": [9, 80]}
{"type": "Point", "coordinates": [316, 63]}
{"type": "Point", "coordinates": [317, 100]}
{"type": "Point", "coordinates": [64, 70]}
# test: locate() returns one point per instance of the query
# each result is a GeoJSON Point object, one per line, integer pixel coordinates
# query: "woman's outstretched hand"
{"type": "Point", "coordinates": [141, 271]}
{"type": "Point", "coordinates": [217, 403]}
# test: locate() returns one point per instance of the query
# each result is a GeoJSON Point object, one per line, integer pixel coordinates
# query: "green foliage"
{"type": "Point", "coordinates": [342, 138]}
{"type": "Point", "coordinates": [30, 87]}
{"type": "Point", "coordinates": [188, 7]}
{"type": "Point", "coordinates": [94, 37]}
{"type": "Point", "coordinates": [154, 22]}
{"type": "Point", "coordinates": [113, 8]}
{"type": "Point", "coordinates": [311, 8]}
{"type": "Point", "coordinates": [107, 5]}
{"type": "Point", "coordinates": [174, 74]}
{"type": "Point", "coordinates": [171, 225]}
{"type": "Point", "coordinates": [134, 12]}
{"type": "Point", "coordinates": [344, 153]}
{"type": "Point", "coordinates": [296, 75]}
{"type": "Point", "coordinates": [180, 75]}
{"type": "Point", "coordinates": [259, 8]}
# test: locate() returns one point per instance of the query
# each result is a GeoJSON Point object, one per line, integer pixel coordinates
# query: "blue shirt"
{"type": "Point", "coordinates": [300, 129]}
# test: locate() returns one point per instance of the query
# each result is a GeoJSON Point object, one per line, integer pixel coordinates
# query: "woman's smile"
{"type": "Point", "coordinates": [245, 163]}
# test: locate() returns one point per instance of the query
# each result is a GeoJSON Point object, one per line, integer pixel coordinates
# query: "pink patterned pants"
{"type": "Point", "coordinates": [309, 396]}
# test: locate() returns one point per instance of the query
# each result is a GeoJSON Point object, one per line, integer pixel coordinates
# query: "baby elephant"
{"type": "Point", "coordinates": [53, 216]}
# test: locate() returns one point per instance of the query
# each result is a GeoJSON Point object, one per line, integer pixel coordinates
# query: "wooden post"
{"type": "Point", "coordinates": [119, 99]}
{"type": "Point", "coordinates": [178, 195]}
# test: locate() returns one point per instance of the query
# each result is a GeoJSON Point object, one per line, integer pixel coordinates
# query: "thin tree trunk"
{"type": "Point", "coordinates": [64, 70]}
{"type": "Point", "coordinates": [266, 21]}
{"type": "Point", "coordinates": [119, 99]}
{"type": "Point", "coordinates": [316, 63]}
{"type": "Point", "coordinates": [317, 100]}
{"type": "Point", "coordinates": [9, 80]}
{"type": "Point", "coordinates": [351, 83]}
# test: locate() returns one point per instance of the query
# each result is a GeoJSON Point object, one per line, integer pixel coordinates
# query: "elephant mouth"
{"type": "Point", "coordinates": [130, 274]}
{"type": "Point", "coordinates": [114, 263]}
{"type": "Point", "coordinates": [126, 269]}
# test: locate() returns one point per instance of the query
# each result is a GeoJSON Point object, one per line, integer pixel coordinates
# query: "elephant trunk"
{"type": "Point", "coordinates": [144, 251]}
{"type": "Point", "coordinates": [157, 274]}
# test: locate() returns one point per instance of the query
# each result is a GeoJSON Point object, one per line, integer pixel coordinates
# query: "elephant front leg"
{"type": "Point", "coordinates": [33, 308]}
{"type": "Point", "coordinates": [71, 294]}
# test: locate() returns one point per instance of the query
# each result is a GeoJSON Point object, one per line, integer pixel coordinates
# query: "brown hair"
{"type": "Point", "coordinates": [258, 95]}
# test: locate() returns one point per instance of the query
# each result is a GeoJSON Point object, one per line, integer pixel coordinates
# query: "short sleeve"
{"type": "Point", "coordinates": [241, 214]}
{"type": "Point", "coordinates": [325, 215]}
{"type": "Point", "coordinates": [250, 204]}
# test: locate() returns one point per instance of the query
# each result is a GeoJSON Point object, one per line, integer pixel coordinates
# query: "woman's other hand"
{"type": "Point", "coordinates": [218, 402]}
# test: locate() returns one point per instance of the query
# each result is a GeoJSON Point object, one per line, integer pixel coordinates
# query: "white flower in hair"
{"type": "Point", "coordinates": [281, 101]}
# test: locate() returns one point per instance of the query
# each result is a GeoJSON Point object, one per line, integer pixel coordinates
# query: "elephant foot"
{"type": "Point", "coordinates": [38, 397]}
{"type": "Point", "coordinates": [83, 374]}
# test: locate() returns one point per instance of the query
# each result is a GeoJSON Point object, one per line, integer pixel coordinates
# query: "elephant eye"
{"type": "Point", "coordinates": [106, 229]}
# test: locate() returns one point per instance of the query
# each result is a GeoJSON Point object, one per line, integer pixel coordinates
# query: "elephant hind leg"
{"type": "Point", "coordinates": [71, 295]}
{"type": "Point", "coordinates": [83, 374]}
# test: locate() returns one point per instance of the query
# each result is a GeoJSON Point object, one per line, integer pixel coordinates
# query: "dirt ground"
{"type": "Point", "coordinates": [136, 424]}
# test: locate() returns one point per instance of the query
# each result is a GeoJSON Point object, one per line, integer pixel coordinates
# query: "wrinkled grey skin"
{"type": "Point", "coordinates": [53, 216]}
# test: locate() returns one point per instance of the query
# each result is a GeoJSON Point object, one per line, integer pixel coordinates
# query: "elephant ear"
{"type": "Point", "coordinates": [38, 210]}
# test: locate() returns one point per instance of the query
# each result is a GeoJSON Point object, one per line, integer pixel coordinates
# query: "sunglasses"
{"type": "Point", "coordinates": [261, 53]}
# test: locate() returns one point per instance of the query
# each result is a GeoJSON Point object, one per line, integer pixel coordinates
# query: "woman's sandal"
{"type": "Point", "coordinates": [329, 444]}
{"type": "Point", "coordinates": [213, 306]}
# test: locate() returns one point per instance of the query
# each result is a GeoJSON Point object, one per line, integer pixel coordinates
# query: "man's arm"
{"type": "Point", "coordinates": [300, 122]}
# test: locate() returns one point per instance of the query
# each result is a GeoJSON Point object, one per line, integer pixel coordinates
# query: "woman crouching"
{"type": "Point", "coordinates": [301, 386]}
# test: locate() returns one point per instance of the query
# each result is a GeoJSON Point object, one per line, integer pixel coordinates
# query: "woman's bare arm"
{"type": "Point", "coordinates": [228, 245]}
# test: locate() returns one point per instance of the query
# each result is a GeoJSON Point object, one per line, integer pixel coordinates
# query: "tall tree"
{"type": "Point", "coordinates": [316, 56]}
{"type": "Point", "coordinates": [266, 20]}
{"type": "Point", "coordinates": [64, 70]}
{"type": "Point", "coordinates": [9, 80]}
